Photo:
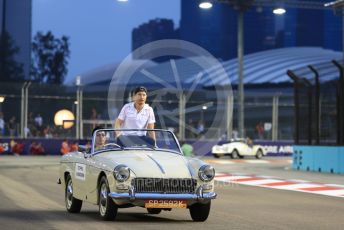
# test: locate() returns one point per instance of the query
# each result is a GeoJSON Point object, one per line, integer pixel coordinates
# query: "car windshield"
{"type": "Point", "coordinates": [126, 139]}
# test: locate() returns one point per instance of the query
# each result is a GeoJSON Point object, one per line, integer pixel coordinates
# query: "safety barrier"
{"type": "Point", "coordinates": [329, 159]}
{"type": "Point", "coordinates": [52, 146]}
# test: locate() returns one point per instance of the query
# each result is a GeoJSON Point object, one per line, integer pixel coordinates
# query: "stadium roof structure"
{"type": "Point", "coordinates": [271, 66]}
{"type": "Point", "coordinates": [266, 67]}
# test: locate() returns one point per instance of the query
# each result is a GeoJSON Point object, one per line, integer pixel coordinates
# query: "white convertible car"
{"type": "Point", "coordinates": [238, 148]}
{"type": "Point", "coordinates": [134, 170]}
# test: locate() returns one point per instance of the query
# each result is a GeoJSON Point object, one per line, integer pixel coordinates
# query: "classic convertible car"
{"type": "Point", "coordinates": [238, 148]}
{"type": "Point", "coordinates": [136, 170]}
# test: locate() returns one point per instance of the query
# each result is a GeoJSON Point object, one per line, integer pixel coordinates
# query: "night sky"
{"type": "Point", "coordinates": [99, 30]}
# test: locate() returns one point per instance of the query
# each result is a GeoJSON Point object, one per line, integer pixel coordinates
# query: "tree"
{"type": "Point", "coordinates": [49, 58]}
{"type": "Point", "coordinates": [10, 70]}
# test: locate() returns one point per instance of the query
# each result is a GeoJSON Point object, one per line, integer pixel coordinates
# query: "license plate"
{"type": "Point", "coordinates": [165, 204]}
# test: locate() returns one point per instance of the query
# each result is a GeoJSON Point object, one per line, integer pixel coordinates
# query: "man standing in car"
{"type": "Point", "coordinates": [136, 115]}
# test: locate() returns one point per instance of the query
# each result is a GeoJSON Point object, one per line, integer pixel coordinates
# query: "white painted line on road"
{"type": "Point", "coordinates": [299, 186]}
{"type": "Point", "coordinates": [222, 162]}
{"type": "Point", "coordinates": [283, 184]}
{"type": "Point", "coordinates": [331, 192]}
{"type": "Point", "coordinates": [232, 178]}
{"type": "Point", "coordinates": [257, 161]}
{"type": "Point", "coordinates": [335, 185]}
{"type": "Point", "coordinates": [299, 181]}
{"type": "Point", "coordinates": [220, 174]}
{"type": "Point", "coordinates": [253, 161]}
{"type": "Point", "coordinates": [260, 182]}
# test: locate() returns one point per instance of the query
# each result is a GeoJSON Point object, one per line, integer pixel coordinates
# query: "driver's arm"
{"type": "Point", "coordinates": [118, 125]}
{"type": "Point", "coordinates": [151, 133]}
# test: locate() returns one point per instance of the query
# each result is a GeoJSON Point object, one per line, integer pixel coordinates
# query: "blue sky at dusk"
{"type": "Point", "coordinates": [99, 30]}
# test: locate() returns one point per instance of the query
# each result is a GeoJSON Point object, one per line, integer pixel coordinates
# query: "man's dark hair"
{"type": "Point", "coordinates": [96, 128]}
{"type": "Point", "coordinates": [140, 89]}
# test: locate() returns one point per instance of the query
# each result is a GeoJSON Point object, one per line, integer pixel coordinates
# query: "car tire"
{"type": "Point", "coordinates": [107, 208]}
{"type": "Point", "coordinates": [73, 205]}
{"type": "Point", "coordinates": [259, 154]}
{"type": "Point", "coordinates": [154, 210]}
{"type": "Point", "coordinates": [216, 155]}
{"type": "Point", "coordinates": [200, 212]}
{"type": "Point", "coordinates": [235, 154]}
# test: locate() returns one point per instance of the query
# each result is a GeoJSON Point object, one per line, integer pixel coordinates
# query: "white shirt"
{"type": "Point", "coordinates": [39, 121]}
{"type": "Point", "coordinates": [136, 120]}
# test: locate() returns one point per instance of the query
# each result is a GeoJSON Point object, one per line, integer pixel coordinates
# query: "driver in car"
{"type": "Point", "coordinates": [100, 138]}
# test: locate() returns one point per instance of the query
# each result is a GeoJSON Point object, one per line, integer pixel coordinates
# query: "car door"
{"type": "Point", "coordinates": [244, 149]}
{"type": "Point", "coordinates": [79, 177]}
{"type": "Point", "coordinates": [93, 170]}
{"type": "Point", "coordinates": [250, 150]}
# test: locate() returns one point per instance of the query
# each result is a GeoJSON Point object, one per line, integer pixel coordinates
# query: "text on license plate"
{"type": "Point", "coordinates": [165, 204]}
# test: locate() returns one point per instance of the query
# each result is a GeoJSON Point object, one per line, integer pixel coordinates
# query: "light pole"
{"type": "Point", "coordinates": [78, 105]}
{"type": "Point", "coordinates": [24, 108]}
{"type": "Point", "coordinates": [204, 107]}
{"type": "Point", "coordinates": [241, 96]}
{"type": "Point", "coordinates": [241, 7]}
{"type": "Point", "coordinates": [2, 99]}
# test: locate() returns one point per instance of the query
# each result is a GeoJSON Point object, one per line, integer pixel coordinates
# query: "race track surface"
{"type": "Point", "coordinates": [30, 198]}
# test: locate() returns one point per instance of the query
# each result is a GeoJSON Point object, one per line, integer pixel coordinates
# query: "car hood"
{"type": "Point", "coordinates": [157, 164]}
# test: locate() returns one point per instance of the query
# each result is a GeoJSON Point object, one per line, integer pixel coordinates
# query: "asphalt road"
{"type": "Point", "coordinates": [31, 199]}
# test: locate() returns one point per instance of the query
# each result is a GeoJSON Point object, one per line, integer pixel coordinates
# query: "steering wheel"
{"type": "Point", "coordinates": [112, 144]}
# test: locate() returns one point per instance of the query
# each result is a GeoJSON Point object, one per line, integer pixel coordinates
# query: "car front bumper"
{"type": "Point", "coordinates": [199, 195]}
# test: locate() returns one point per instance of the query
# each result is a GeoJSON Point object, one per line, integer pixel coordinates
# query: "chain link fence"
{"type": "Point", "coordinates": [29, 111]}
{"type": "Point", "coordinates": [319, 102]}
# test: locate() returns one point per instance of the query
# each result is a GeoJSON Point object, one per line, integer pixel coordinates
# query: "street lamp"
{"type": "Point", "coordinates": [279, 11]}
{"type": "Point", "coordinates": [64, 118]}
{"type": "Point", "coordinates": [205, 5]}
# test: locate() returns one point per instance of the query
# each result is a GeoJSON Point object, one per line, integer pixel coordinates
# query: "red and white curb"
{"type": "Point", "coordinates": [275, 183]}
{"type": "Point", "coordinates": [255, 161]}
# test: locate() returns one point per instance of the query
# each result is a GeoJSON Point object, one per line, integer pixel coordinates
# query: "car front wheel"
{"type": "Point", "coordinates": [235, 154]}
{"type": "Point", "coordinates": [107, 208]}
{"type": "Point", "coordinates": [259, 154]}
{"type": "Point", "coordinates": [73, 205]}
{"type": "Point", "coordinates": [199, 211]}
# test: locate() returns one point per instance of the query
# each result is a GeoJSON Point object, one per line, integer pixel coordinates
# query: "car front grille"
{"type": "Point", "coordinates": [160, 185]}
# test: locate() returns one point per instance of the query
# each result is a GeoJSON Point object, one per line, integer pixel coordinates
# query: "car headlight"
{"type": "Point", "coordinates": [121, 173]}
{"type": "Point", "coordinates": [206, 173]}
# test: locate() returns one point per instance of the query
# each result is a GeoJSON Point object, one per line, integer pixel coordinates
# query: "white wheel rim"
{"type": "Point", "coordinates": [69, 194]}
{"type": "Point", "coordinates": [103, 199]}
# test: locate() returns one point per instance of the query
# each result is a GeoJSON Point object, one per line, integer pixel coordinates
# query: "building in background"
{"type": "Point", "coordinates": [153, 30]}
{"type": "Point", "coordinates": [16, 20]}
{"type": "Point", "coordinates": [306, 27]}
{"type": "Point", "coordinates": [216, 29]}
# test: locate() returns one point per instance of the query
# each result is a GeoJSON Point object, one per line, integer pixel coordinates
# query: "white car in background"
{"type": "Point", "coordinates": [133, 170]}
{"type": "Point", "coordinates": [238, 148]}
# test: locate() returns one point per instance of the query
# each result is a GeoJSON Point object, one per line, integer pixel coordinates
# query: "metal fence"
{"type": "Point", "coordinates": [29, 109]}
{"type": "Point", "coordinates": [319, 102]}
